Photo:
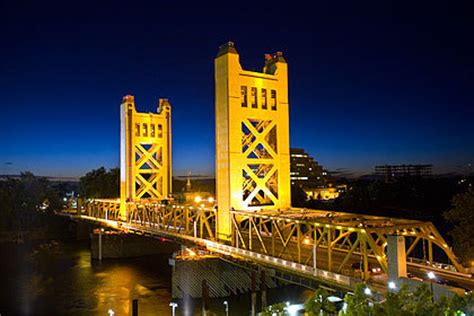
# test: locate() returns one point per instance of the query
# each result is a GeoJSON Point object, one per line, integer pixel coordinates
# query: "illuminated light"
{"type": "Point", "coordinates": [362, 230]}
{"type": "Point", "coordinates": [306, 241]}
{"type": "Point", "coordinates": [197, 199]}
{"type": "Point", "coordinates": [111, 312]}
{"type": "Point", "coordinates": [339, 227]}
{"type": "Point", "coordinates": [191, 253]}
{"type": "Point", "coordinates": [431, 237]}
{"type": "Point", "coordinates": [337, 276]}
{"type": "Point", "coordinates": [413, 232]}
{"type": "Point", "coordinates": [317, 224]}
{"type": "Point", "coordinates": [392, 285]}
{"type": "Point", "coordinates": [202, 205]}
{"type": "Point", "coordinates": [431, 275]}
{"type": "Point", "coordinates": [327, 225]}
{"type": "Point", "coordinates": [445, 246]}
{"type": "Point", "coordinates": [351, 229]}
{"type": "Point", "coordinates": [294, 265]}
{"type": "Point", "coordinates": [367, 291]}
{"type": "Point", "coordinates": [210, 199]}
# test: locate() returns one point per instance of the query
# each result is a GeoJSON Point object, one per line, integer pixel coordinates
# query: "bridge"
{"type": "Point", "coordinates": [253, 220]}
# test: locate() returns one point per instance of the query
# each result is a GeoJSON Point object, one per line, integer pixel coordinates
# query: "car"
{"type": "Point", "coordinates": [359, 266]}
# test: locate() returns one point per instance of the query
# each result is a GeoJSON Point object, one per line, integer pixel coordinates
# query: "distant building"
{"type": "Point", "coordinates": [391, 172]}
{"type": "Point", "coordinates": [305, 171]}
{"type": "Point", "coordinates": [325, 193]}
{"type": "Point", "coordinates": [311, 177]}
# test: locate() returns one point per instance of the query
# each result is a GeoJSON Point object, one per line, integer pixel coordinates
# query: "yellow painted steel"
{"type": "Point", "coordinates": [252, 136]}
{"type": "Point", "coordinates": [145, 153]}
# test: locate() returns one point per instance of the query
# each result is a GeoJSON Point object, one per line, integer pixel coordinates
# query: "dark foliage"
{"type": "Point", "coordinates": [100, 183]}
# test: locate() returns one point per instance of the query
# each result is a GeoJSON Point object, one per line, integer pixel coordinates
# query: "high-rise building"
{"type": "Point", "coordinates": [305, 171]}
{"type": "Point", "coordinates": [391, 172]}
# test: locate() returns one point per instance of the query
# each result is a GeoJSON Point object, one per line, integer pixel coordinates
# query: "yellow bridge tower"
{"type": "Point", "coordinates": [145, 153]}
{"type": "Point", "coordinates": [252, 136]}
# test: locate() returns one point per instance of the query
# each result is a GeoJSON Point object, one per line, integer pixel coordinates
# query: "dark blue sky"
{"type": "Point", "coordinates": [369, 84]}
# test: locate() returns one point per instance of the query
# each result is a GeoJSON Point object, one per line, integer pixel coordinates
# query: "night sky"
{"type": "Point", "coordinates": [369, 84]}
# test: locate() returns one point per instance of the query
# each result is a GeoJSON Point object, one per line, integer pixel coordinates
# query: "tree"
{"type": "Point", "coordinates": [462, 216]}
{"type": "Point", "coordinates": [319, 304]}
{"type": "Point", "coordinates": [420, 303]}
{"type": "Point", "coordinates": [100, 183]}
{"type": "Point", "coordinates": [358, 304]}
{"type": "Point", "coordinates": [278, 309]}
{"type": "Point", "coordinates": [395, 302]}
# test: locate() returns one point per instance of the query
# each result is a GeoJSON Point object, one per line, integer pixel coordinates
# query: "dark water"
{"type": "Point", "coordinates": [58, 278]}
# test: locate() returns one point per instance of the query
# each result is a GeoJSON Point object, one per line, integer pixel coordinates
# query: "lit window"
{"type": "Point", "coordinates": [243, 96]}
{"type": "Point", "coordinates": [160, 131]}
{"type": "Point", "coordinates": [274, 100]}
{"type": "Point", "coordinates": [145, 130]}
{"type": "Point", "coordinates": [264, 99]}
{"type": "Point", "coordinates": [137, 129]}
{"type": "Point", "coordinates": [254, 97]}
{"type": "Point", "coordinates": [152, 130]}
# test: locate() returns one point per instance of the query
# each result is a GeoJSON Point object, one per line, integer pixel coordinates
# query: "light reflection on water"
{"type": "Point", "coordinates": [60, 279]}
{"type": "Point", "coordinates": [64, 281]}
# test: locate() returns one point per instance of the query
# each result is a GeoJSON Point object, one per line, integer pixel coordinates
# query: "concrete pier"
{"type": "Point", "coordinates": [222, 278]}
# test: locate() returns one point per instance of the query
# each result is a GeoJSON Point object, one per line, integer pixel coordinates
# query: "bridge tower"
{"type": "Point", "coordinates": [145, 153]}
{"type": "Point", "coordinates": [252, 136]}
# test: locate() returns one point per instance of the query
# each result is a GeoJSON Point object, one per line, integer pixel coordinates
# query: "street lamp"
{"type": "Point", "coordinates": [432, 277]}
{"type": "Point", "coordinates": [392, 285]}
{"type": "Point", "coordinates": [173, 307]}
{"type": "Point", "coordinates": [367, 291]}
{"type": "Point", "coordinates": [226, 308]}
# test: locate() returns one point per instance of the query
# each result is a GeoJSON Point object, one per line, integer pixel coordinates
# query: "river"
{"type": "Point", "coordinates": [59, 278]}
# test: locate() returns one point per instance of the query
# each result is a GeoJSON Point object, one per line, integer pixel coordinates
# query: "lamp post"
{"type": "Point", "coordinates": [368, 292]}
{"type": "Point", "coordinates": [432, 277]}
{"type": "Point", "coordinates": [173, 308]}
{"type": "Point", "coordinates": [226, 308]}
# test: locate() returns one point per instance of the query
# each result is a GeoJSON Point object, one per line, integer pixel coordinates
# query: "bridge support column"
{"type": "Point", "coordinates": [397, 260]}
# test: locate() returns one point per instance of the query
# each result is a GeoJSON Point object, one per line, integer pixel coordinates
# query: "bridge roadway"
{"type": "Point", "coordinates": [262, 247]}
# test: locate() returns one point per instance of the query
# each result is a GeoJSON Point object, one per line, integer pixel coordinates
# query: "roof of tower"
{"type": "Point", "coordinates": [227, 48]}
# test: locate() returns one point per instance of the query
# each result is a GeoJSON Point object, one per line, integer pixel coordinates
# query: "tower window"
{"type": "Point", "coordinates": [145, 130]}
{"type": "Point", "coordinates": [274, 100]}
{"type": "Point", "coordinates": [160, 131]}
{"type": "Point", "coordinates": [243, 96]}
{"type": "Point", "coordinates": [254, 97]}
{"type": "Point", "coordinates": [137, 129]}
{"type": "Point", "coordinates": [152, 130]}
{"type": "Point", "coordinates": [264, 99]}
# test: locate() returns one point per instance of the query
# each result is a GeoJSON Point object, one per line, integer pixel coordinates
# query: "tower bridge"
{"type": "Point", "coordinates": [253, 221]}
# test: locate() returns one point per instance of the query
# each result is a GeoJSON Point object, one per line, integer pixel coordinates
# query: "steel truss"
{"type": "Point", "coordinates": [338, 238]}
{"type": "Point", "coordinates": [291, 235]}
{"type": "Point", "coordinates": [187, 220]}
